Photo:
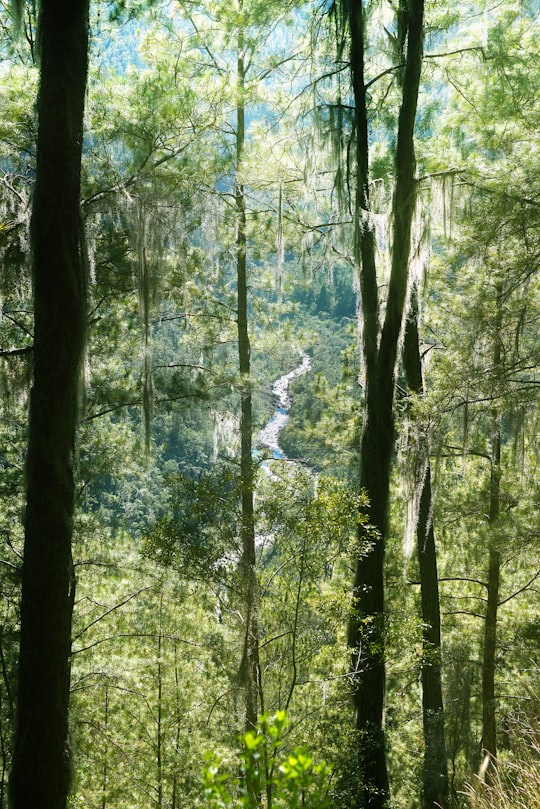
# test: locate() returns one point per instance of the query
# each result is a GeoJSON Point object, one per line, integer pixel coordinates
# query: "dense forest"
{"type": "Point", "coordinates": [269, 394]}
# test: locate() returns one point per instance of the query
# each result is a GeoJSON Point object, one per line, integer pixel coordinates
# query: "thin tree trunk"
{"type": "Point", "coordinates": [435, 771]}
{"type": "Point", "coordinates": [249, 670]}
{"type": "Point", "coordinates": [40, 775]}
{"type": "Point", "coordinates": [489, 723]}
{"type": "Point", "coordinates": [159, 723]}
{"type": "Point", "coordinates": [178, 721]}
{"type": "Point", "coordinates": [105, 753]}
{"type": "Point", "coordinates": [7, 717]}
{"type": "Point", "coordinates": [246, 421]}
{"type": "Point", "coordinates": [4, 754]}
{"type": "Point", "coordinates": [366, 626]}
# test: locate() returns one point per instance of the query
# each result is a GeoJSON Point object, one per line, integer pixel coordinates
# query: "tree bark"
{"type": "Point", "coordinates": [435, 770]}
{"type": "Point", "coordinates": [380, 349]}
{"type": "Point", "coordinates": [489, 722]}
{"type": "Point", "coordinates": [366, 632]}
{"type": "Point", "coordinates": [249, 668]}
{"type": "Point", "coordinates": [40, 775]}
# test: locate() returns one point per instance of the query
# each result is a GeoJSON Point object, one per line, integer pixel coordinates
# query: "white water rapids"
{"type": "Point", "coordinates": [269, 435]}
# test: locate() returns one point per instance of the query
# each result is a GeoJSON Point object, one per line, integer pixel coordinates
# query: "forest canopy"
{"type": "Point", "coordinates": [269, 394]}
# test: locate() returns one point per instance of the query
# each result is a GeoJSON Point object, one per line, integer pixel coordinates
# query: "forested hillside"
{"type": "Point", "coordinates": [270, 413]}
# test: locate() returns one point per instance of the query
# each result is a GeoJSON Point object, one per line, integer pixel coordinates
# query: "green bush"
{"type": "Point", "coordinates": [266, 775]}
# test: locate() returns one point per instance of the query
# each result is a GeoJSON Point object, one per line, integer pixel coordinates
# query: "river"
{"type": "Point", "coordinates": [269, 435]}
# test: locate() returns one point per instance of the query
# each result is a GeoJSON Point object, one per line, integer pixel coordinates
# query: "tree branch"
{"type": "Point", "coordinates": [109, 611]}
{"type": "Point", "coordinates": [16, 352]}
{"type": "Point", "coordinates": [521, 589]}
{"type": "Point", "coordinates": [463, 578]}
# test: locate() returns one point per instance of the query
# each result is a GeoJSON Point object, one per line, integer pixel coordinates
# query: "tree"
{"type": "Point", "coordinates": [380, 349]}
{"type": "Point", "coordinates": [40, 773]}
{"type": "Point", "coordinates": [435, 771]}
{"type": "Point", "coordinates": [494, 291]}
{"type": "Point", "coordinates": [235, 66]}
{"type": "Point", "coordinates": [249, 667]}
{"type": "Point", "coordinates": [489, 724]}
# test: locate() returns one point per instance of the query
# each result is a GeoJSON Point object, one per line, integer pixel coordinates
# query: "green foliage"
{"type": "Point", "coordinates": [324, 424]}
{"type": "Point", "coordinates": [156, 649]}
{"type": "Point", "coordinates": [149, 680]}
{"type": "Point", "coordinates": [199, 534]}
{"type": "Point", "coordinates": [291, 780]}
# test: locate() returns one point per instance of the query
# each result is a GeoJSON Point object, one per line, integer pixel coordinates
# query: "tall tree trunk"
{"type": "Point", "coordinates": [105, 752]}
{"type": "Point", "coordinates": [489, 724]}
{"type": "Point", "coordinates": [366, 632]}
{"type": "Point", "coordinates": [7, 718]}
{"type": "Point", "coordinates": [160, 735]}
{"type": "Point", "coordinates": [366, 626]}
{"type": "Point", "coordinates": [40, 774]}
{"type": "Point", "coordinates": [249, 670]}
{"type": "Point", "coordinates": [435, 771]}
